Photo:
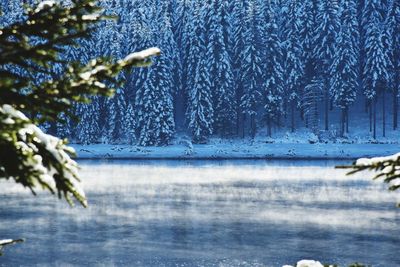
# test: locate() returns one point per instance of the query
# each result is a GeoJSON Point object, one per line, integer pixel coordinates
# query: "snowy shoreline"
{"type": "Point", "coordinates": [299, 151]}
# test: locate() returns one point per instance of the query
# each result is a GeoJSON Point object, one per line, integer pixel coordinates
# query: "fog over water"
{"type": "Point", "coordinates": [206, 213]}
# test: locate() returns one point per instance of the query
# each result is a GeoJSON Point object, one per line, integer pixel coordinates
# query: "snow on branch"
{"type": "Point", "coordinates": [44, 5]}
{"type": "Point", "coordinates": [306, 263]}
{"type": "Point", "coordinates": [34, 158]}
{"type": "Point", "coordinates": [141, 56]}
{"type": "Point", "coordinates": [6, 242]}
{"type": "Point", "coordinates": [387, 168]}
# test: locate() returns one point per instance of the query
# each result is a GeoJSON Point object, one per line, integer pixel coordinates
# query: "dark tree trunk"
{"type": "Point", "coordinates": [326, 96]}
{"type": "Point", "coordinates": [315, 117]}
{"type": "Point", "coordinates": [286, 110]}
{"type": "Point", "coordinates": [384, 113]}
{"type": "Point", "coordinates": [269, 125]}
{"type": "Point", "coordinates": [347, 119]}
{"type": "Point", "coordinates": [243, 126]}
{"type": "Point", "coordinates": [253, 125]}
{"type": "Point", "coordinates": [278, 122]}
{"type": "Point", "coordinates": [175, 108]}
{"type": "Point", "coordinates": [370, 115]}
{"type": "Point", "coordinates": [374, 131]}
{"type": "Point", "coordinates": [292, 115]}
{"type": "Point", "coordinates": [240, 115]}
{"type": "Point", "coordinates": [342, 122]}
{"type": "Point", "coordinates": [238, 118]}
{"type": "Point", "coordinates": [395, 106]}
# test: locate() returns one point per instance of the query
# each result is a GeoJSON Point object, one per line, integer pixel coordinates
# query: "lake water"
{"type": "Point", "coordinates": [205, 213]}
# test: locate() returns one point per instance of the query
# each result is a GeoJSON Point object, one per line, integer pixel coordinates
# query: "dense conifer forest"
{"type": "Point", "coordinates": [240, 69]}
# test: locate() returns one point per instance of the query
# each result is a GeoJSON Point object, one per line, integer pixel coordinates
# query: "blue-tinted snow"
{"type": "Point", "coordinates": [239, 149]}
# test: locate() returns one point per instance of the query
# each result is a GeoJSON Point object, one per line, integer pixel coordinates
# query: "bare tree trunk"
{"type": "Point", "coordinates": [384, 113]}
{"type": "Point", "coordinates": [292, 115]}
{"type": "Point", "coordinates": [370, 116]}
{"type": "Point", "coordinates": [253, 125]}
{"type": "Point", "coordinates": [326, 107]}
{"type": "Point", "coordinates": [243, 126]}
{"type": "Point", "coordinates": [374, 130]}
{"type": "Point", "coordinates": [347, 119]}
{"type": "Point", "coordinates": [315, 117]}
{"type": "Point", "coordinates": [278, 121]}
{"type": "Point", "coordinates": [240, 115]}
{"type": "Point", "coordinates": [395, 107]}
{"type": "Point", "coordinates": [269, 127]}
{"type": "Point", "coordinates": [238, 118]}
{"type": "Point", "coordinates": [342, 122]}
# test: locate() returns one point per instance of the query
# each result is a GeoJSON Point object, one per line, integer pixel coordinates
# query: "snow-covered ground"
{"type": "Point", "coordinates": [302, 144]}
{"type": "Point", "coordinates": [238, 150]}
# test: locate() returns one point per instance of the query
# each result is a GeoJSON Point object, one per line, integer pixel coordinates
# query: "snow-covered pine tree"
{"type": "Point", "coordinates": [130, 30]}
{"type": "Point", "coordinates": [179, 13]}
{"type": "Point", "coordinates": [372, 8]}
{"type": "Point", "coordinates": [165, 69]}
{"type": "Point", "coordinates": [13, 10]}
{"type": "Point", "coordinates": [273, 84]}
{"type": "Point", "coordinates": [293, 58]}
{"type": "Point", "coordinates": [168, 45]}
{"type": "Point", "coordinates": [129, 124]}
{"type": "Point", "coordinates": [312, 95]}
{"type": "Point", "coordinates": [344, 69]}
{"type": "Point", "coordinates": [115, 110]}
{"type": "Point", "coordinates": [88, 129]}
{"type": "Point", "coordinates": [200, 112]}
{"type": "Point", "coordinates": [134, 30]}
{"type": "Point", "coordinates": [146, 113]}
{"type": "Point", "coordinates": [158, 126]}
{"type": "Point", "coordinates": [64, 126]}
{"type": "Point", "coordinates": [307, 32]}
{"type": "Point", "coordinates": [68, 127]}
{"type": "Point", "coordinates": [125, 34]}
{"type": "Point", "coordinates": [145, 37]}
{"type": "Point", "coordinates": [252, 67]}
{"type": "Point", "coordinates": [394, 28]}
{"type": "Point", "coordinates": [236, 51]}
{"type": "Point", "coordinates": [48, 164]}
{"type": "Point", "coordinates": [219, 63]}
{"type": "Point", "coordinates": [326, 34]}
{"type": "Point", "coordinates": [193, 44]}
{"type": "Point", "coordinates": [200, 108]}
{"type": "Point", "coordinates": [377, 64]}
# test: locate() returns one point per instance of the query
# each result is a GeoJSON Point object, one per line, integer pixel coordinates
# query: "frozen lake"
{"type": "Point", "coordinates": [205, 213]}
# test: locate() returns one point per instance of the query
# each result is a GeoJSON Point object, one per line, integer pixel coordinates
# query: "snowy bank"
{"type": "Point", "coordinates": [237, 150]}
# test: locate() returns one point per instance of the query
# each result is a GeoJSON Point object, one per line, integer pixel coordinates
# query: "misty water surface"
{"type": "Point", "coordinates": [205, 213]}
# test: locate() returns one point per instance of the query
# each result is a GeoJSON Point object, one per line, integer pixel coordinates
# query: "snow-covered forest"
{"type": "Point", "coordinates": [241, 68]}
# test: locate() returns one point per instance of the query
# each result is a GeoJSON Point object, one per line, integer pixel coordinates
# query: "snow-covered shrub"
{"type": "Point", "coordinates": [306, 263]}
{"type": "Point", "coordinates": [313, 263]}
